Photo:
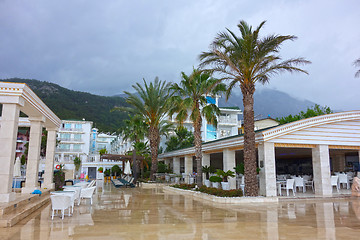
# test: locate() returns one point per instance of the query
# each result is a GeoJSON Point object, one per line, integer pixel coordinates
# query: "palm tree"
{"type": "Point", "coordinates": [191, 99]}
{"type": "Point", "coordinates": [134, 130]}
{"type": "Point", "coordinates": [357, 64]}
{"type": "Point", "coordinates": [152, 103]}
{"type": "Point", "coordinates": [246, 60]}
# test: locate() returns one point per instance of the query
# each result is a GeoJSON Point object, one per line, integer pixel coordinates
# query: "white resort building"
{"type": "Point", "coordinates": [73, 141]}
{"type": "Point", "coordinates": [317, 146]}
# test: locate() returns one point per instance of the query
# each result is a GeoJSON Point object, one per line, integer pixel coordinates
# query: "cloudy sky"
{"type": "Point", "coordinates": [104, 47]}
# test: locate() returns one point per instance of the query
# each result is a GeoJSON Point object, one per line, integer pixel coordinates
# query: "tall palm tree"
{"type": "Point", "coordinates": [191, 99]}
{"type": "Point", "coordinates": [134, 130]}
{"type": "Point", "coordinates": [246, 60]}
{"type": "Point", "coordinates": [152, 102]}
{"type": "Point", "coordinates": [357, 64]}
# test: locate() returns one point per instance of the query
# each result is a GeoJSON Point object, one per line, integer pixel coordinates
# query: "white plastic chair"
{"type": "Point", "coordinates": [343, 179]}
{"type": "Point", "coordinates": [60, 202]}
{"type": "Point", "coordinates": [77, 191]}
{"type": "Point", "coordinates": [299, 183]}
{"type": "Point", "coordinates": [289, 186]}
{"type": "Point", "coordinates": [335, 182]}
{"type": "Point", "coordinates": [92, 183]}
{"type": "Point", "coordinates": [87, 193]}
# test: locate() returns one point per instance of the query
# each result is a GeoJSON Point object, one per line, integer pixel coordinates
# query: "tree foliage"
{"type": "Point", "coordinates": [246, 60]}
{"type": "Point", "coordinates": [357, 64]}
{"type": "Point", "coordinates": [152, 102]}
{"type": "Point", "coordinates": [190, 101]}
{"type": "Point", "coordinates": [76, 105]}
{"type": "Point", "coordinates": [314, 111]}
{"type": "Point", "coordinates": [182, 139]}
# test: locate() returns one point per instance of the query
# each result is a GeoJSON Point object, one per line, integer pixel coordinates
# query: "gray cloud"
{"type": "Point", "coordinates": [104, 47]}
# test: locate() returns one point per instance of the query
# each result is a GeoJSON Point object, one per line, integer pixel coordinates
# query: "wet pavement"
{"type": "Point", "coordinates": [152, 214]}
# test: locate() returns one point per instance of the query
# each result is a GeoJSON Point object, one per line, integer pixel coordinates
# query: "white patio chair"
{"type": "Point", "coordinates": [289, 186]}
{"type": "Point", "coordinates": [343, 179]}
{"type": "Point", "coordinates": [77, 192]}
{"type": "Point", "coordinates": [87, 193]}
{"type": "Point", "coordinates": [335, 182]}
{"type": "Point", "coordinates": [92, 183]}
{"type": "Point", "coordinates": [60, 202]}
{"type": "Point", "coordinates": [299, 183]}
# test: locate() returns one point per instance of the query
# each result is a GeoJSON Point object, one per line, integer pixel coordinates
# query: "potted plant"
{"type": "Point", "coordinates": [116, 171]}
{"type": "Point", "coordinates": [225, 175]}
{"type": "Point", "coordinates": [100, 169]}
{"type": "Point", "coordinates": [215, 180]}
{"type": "Point", "coordinates": [207, 170]}
{"type": "Point", "coordinates": [77, 163]}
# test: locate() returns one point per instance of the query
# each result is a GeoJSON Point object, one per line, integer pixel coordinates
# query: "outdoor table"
{"type": "Point", "coordinates": [280, 183]}
{"type": "Point", "coordinates": [72, 194]}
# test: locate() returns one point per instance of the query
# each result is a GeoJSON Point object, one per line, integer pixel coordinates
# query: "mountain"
{"type": "Point", "coordinates": [269, 102]}
{"type": "Point", "coordinates": [68, 104]}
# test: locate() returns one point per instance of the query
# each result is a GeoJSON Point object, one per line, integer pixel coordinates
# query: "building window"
{"type": "Point", "coordinates": [78, 126]}
{"type": "Point", "coordinates": [210, 132]}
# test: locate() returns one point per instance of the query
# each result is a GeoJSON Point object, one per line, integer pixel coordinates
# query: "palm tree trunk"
{"type": "Point", "coordinates": [153, 136]}
{"type": "Point", "coordinates": [135, 166]}
{"type": "Point", "coordinates": [198, 150]}
{"type": "Point", "coordinates": [251, 183]}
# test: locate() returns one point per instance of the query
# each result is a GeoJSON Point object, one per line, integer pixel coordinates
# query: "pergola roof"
{"type": "Point", "coordinates": [118, 157]}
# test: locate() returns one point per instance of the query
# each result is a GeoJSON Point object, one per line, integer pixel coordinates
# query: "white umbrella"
{"type": "Point", "coordinates": [17, 168]}
{"type": "Point", "coordinates": [127, 170]}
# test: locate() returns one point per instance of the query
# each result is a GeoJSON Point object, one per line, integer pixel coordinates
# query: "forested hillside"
{"type": "Point", "coordinates": [69, 104]}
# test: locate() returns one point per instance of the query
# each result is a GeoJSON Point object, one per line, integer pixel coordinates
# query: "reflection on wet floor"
{"type": "Point", "coordinates": [152, 214]}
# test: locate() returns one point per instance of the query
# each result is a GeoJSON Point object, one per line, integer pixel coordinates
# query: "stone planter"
{"type": "Point", "coordinates": [207, 183]}
{"type": "Point", "coordinates": [225, 185]}
{"type": "Point", "coordinates": [215, 184]}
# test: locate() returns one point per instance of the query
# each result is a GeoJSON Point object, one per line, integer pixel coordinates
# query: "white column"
{"type": "Point", "coordinates": [205, 162]}
{"type": "Point", "coordinates": [229, 164]}
{"type": "Point", "coordinates": [8, 135]}
{"type": "Point", "coordinates": [176, 165]}
{"type": "Point", "coordinates": [267, 175]}
{"type": "Point", "coordinates": [32, 166]}
{"type": "Point", "coordinates": [49, 164]}
{"type": "Point", "coordinates": [188, 167]}
{"type": "Point", "coordinates": [321, 170]}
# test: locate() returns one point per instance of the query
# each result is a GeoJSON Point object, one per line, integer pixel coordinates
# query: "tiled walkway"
{"type": "Point", "coordinates": [150, 214]}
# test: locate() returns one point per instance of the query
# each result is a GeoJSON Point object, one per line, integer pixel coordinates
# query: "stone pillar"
{"type": "Point", "coordinates": [267, 175]}
{"type": "Point", "coordinates": [229, 164]}
{"type": "Point", "coordinates": [8, 136]}
{"type": "Point", "coordinates": [188, 167]}
{"type": "Point", "coordinates": [32, 166]}
{"type": "Point", "coordinates": [321, 170]}
{"type": "Point", "coordinates": [49, 164]}
{"type": "Point", "coordinates": [205, 162]}
{"type": "Point", "coordinates": [176, 165]}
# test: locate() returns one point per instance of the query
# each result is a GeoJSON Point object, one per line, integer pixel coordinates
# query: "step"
{"type": "Point", "coordinates": [21, 208]}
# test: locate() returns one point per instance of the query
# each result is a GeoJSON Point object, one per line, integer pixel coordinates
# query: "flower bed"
{"type": "Point", "coordinates": [211, 191]}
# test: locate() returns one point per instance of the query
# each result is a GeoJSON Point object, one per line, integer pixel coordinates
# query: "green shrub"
{"type": "Point", "coordinates": [215, 179]}
{"type": "Point", "coordinates": [220, 192]}
{"type": "Point", "coordinates": [184, 186]}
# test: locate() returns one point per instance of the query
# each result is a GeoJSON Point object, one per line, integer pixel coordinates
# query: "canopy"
{"type": "Point", "coordinates": [17, 168]}
{"type": "Point", "coordinates": [127, 169]}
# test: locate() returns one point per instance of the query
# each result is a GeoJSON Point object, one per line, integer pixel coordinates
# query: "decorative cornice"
{"type": "Point", "coordinates": [309, 122]}
{"type": "Point", "coordinates": [21, 90]}
{"type": "Point", "coordinates": [236, 142]}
